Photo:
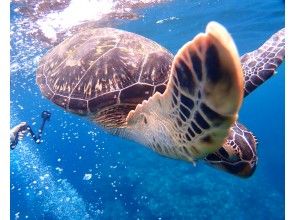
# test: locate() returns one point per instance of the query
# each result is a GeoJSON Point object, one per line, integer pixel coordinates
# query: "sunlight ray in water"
{"type": "Point", "coordinates": [76, 13]}
{"type": "Point", "coordinates": [48, 20]}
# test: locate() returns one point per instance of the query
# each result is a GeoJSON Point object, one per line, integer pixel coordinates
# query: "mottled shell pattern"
{"type": "Point", "coordinates": [102, 75]}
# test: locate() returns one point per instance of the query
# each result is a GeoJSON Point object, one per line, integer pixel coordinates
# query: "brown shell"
{"type": "Point", "coordinates": [104, 72]}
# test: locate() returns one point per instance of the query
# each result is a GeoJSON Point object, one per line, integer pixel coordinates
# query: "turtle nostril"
{"type": "Point", "coordinates": [145, 120]}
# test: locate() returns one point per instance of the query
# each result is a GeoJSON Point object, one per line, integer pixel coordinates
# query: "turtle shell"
{"type": "Point", "coordinates": [103, 73]}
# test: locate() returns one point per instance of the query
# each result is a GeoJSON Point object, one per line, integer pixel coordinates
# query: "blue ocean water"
{"type": "Point", "coordinates": [81, 172]}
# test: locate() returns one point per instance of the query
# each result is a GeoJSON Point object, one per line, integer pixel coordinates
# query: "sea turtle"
{"type": "Point", "coordinates": [183, 107]}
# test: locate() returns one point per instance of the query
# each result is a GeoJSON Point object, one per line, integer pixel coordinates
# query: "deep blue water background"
{"type": "Point", "coordinates": [129, 181]}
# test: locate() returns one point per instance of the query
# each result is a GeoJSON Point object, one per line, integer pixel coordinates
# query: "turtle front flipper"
{"type": "Point", "coordinates": [203, 96]}
{"type": "Point", "coordinates": [259, 65]}
{"type": "Point", "coordinates": [238, 154]}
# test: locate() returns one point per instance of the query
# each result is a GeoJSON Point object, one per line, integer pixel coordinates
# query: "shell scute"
{"type": "Point", "coordinates": [98, 68]}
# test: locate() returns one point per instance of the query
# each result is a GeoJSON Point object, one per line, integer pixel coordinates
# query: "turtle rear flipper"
{"type": "Point", "coordinates": [238, 154]}
{"type": "Point", "coordinates": [203, 96]}
{"type": "Point", "coordinates": [259, 65]}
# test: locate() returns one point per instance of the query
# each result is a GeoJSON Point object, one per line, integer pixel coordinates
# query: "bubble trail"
{"type": "Point", "coordinates": [55, 197]}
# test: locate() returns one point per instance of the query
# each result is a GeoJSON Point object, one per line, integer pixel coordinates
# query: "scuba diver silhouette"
{"type": "Point", "coordinates": [17, 132]}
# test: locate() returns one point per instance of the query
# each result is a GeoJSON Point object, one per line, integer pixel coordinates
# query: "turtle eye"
{"type": "Point", "coordinates": [144, 118]}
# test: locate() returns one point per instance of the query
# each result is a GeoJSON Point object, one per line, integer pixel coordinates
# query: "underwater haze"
{"type": "Point", "coordinates": [81, 172]}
